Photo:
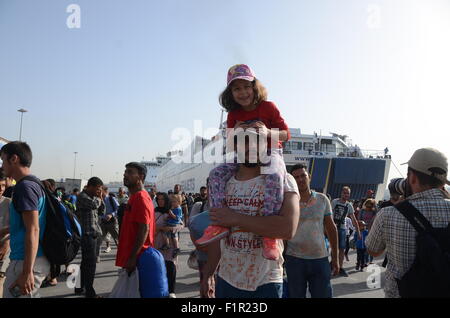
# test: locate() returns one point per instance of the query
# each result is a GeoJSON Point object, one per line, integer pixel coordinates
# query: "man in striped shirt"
{"type": "Point", "coordinates": [90, 206]}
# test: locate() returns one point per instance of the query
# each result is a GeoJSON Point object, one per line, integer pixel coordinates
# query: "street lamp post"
{"type": "Point", "coordinates": [21, 120]}
{"type": "Point", "coordinates": [74, 164]}
{"type": "Point", "coordinates": [91, 170]}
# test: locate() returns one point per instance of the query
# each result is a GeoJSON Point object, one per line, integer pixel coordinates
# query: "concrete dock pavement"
{"type": "Point", "coordinates": [187, 284]}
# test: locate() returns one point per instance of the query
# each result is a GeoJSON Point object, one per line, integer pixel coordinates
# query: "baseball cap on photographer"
{"type": "Point", "coordinates": [427, 161]}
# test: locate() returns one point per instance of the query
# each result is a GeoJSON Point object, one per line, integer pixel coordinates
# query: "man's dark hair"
{"type": "Point", "coordinates": [203, 188]}
{"type": "Point", "coordinates": [61, 188]}
{"type": "Point", "coordinates": [94, 182]}
{"type": "Point", "coordinates": [298, 167]}
{"type": "Point", "coordinates": [2, 175]}
{"type": "Point", "coordinates": [166, 206]}
{"type": "Point", "coordinates": [75, 190]}
{"type": "Point", "coordinates": [21, 150]}
{"type": "Point", "coordinates": [427, 180]}
{"type": "Point", "coordinates": [48, 185]}
{"type": "Point", "coordinates": [142, 170]}
{"type": "Point", "coordinates": [51, 182]}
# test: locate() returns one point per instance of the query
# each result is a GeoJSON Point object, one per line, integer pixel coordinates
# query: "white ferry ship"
{"type": "Point", "coordinates": [333, 162]}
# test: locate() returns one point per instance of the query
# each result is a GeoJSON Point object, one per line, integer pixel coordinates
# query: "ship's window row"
{"type": "Point", "coordinates": [309, 146]}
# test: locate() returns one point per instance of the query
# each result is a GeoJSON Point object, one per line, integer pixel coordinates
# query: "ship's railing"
{"type": "Point", "coordinates": [364, 153]}
{"type": "Point", "coordinates": [356, 153]}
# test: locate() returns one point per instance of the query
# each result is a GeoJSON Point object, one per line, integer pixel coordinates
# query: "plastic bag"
{"type": "Point", "coordinates": [192, 260]}
{"type": "Point", "coordinates": [126, 286]}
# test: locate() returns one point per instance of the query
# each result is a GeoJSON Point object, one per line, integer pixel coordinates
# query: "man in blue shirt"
{"type": "Point", "coordinates": [29, 266]}
{"type": "Point", "coordinates": [109, 222]}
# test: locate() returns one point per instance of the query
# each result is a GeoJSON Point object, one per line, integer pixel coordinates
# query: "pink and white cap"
{"type": "Point", "coordinates": [240, 71]}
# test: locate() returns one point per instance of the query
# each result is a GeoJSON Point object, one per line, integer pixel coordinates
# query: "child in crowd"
{"type": "Point", "coordinates": [175, 219]}
{"type": "Point", "coordinates": [245, 100]}
{"type": "Point", "coordinates": [361, 246]}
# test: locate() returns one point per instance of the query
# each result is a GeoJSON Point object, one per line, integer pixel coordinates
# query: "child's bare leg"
{"type": "Point", "coordinates": [166, 240]}
{"type": "Point", "coordinates": [174, 241]}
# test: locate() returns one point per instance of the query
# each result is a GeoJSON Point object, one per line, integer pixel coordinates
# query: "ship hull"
{"type": "Point", "coordinates": [328, 175]}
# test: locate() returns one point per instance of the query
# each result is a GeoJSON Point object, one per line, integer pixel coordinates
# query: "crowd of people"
{"type": "Point", "coordinates": [308, 226]}
{"type": "Point", "coordinates": [259, 230]}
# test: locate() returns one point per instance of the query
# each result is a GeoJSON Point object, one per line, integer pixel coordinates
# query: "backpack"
{"type": "Point", "coordinates": [429, 276]}
{"type": "Point", "coordinates": [62, 236]}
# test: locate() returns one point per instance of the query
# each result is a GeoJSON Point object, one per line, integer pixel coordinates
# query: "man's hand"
{"type": "Point", "coordinates": [131, 265]}
{"type": "Point", "coordinates": [25, 282]}
{"type": "Point", "coordinates": [4, 249]}
{"type": "Point", "coordinates": [207, 287]}
{"type": "Point", "coordinates": [261, 128]}
{"type": "Point", "coordinates": [225, 217]}
{"type": "Point", "coordinates": [240, 124]}
{"type": "Point", "coordinates": [108, 217]}
{"type": "Point", "coordinates": [335, 266]}
{"type": "Point", "coordinates": [201, 248]}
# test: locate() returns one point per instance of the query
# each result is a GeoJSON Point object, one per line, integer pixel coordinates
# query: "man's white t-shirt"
{"type": "Point", "coordinates": [242, 264]}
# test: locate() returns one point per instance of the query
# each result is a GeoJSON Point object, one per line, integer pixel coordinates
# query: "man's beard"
{"type": "Point", "coordinates": [408, 189]}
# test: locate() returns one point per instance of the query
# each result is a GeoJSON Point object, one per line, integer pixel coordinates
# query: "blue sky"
{"type": "Point", "coordinates": [114, 89]}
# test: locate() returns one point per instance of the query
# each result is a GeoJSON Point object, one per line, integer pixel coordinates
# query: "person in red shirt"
{"type": "Point", "coordinates": [137, 237]}
{"type": "Point", "coordinates": [245, 100]}
{"type": "Point", "coordinates": [138, 225]}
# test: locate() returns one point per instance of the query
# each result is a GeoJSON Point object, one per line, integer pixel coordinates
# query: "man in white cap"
{"type": "Point", "coordinates": [391, 231]}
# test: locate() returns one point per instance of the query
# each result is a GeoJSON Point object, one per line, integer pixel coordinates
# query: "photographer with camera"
{"type": "Point", "coordinates": [416, 232]}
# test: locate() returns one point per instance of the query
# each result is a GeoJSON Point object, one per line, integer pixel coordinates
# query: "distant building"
{"type": "Point", "coordinates": [153, 168]}
{"type": "Point", "coordinates": [70, 184]}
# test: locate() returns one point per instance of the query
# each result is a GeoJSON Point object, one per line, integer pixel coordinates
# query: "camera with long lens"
{"type": "Point", "coordinates": [398, 186]}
